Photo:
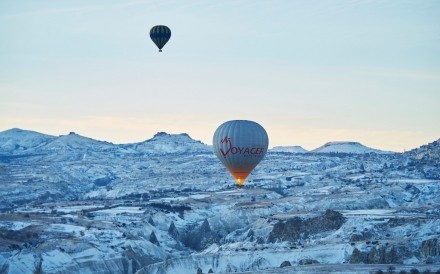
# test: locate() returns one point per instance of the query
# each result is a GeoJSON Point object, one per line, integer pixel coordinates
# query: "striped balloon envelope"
{"type": "Point", "coordinates": [160, 35]}
{"type": "Point", "coordinates": [240, 145]}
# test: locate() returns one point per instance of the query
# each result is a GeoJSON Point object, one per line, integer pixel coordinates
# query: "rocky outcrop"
{"type": "Point", "coordinates": [361, 236]}
{"type": "Point", "coordinates": [153, 239]}
{"type": "Point", "coordinates": [297, 228]}
{"type": "Point", "coordinates": [358, 257]}
{"type": "Point", "coordinates": [172, 230]}
{"type": "Point", "coordinates": [250, 235]}
{"type": "Point", "coordinates": [54, 261]}
{"type": "Point", "coordinates": [201, 238]}
{"type": "Point", "coordinates": [384, 255]}
{"type": "Point", "coordinates": [151, 221]}
{"type": "Point", "coordinates": [429, 152]}
{"type": "Point", "coordinates": [430, 250]}
{"type": "Point", "coordinates": [134, 259]}
{"type": "Point", "coordinates": [381, 254]}
{"type": "Point", "coordinates": [307, 262]}
{"type": "Point", "coordinates": [426, 160]}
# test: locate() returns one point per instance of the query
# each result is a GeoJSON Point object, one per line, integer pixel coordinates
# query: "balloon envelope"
{"type": "Point", "coordinates": [160, 35]}
{"type": "Point", "coordinates": [240, 145]}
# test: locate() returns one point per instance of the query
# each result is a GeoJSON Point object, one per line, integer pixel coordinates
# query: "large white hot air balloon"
{"type": "Point", "coordinates": [240, 145]}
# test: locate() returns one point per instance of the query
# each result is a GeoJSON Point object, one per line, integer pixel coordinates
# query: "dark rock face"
{"type": "Point", "coordinates": [172, 230]}
{"type": "Point", "coordinates": [287, 231]}
{"type": "Point", "coordinates": [297, 228]}
{"type": "Point", "coordinates": [285, 264]}
{"type": "Point", "coordinates": [153, 239]}
{"type": "Point", "coordinates": [430, 250]}
{"type": "Point", "coordinates": [151, 221]}
{"type": "Point", "coordinates": [307, 261]}
{"type": "Point", "coordinates": [201, 238]}
{"type": "Point", "coordinates": [259, 263]}
{"type": "Point", "coordinates": [133, 256]}
{"type": "Point", "coordinates": [195, 238]}
{"type": "Point", "coordinates": [381, 255]}
{"type": "Point", "coordinates": [361, 236]}
{"type": "Point", "coordinates": [358, 257]}
{"type": "Point", "coordinates": [207, 236]}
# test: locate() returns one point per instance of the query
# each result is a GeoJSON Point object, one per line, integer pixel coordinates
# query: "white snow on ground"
{"type": "Point", "coordinates": [21, 263]}
{"type": "Point", "coordinates": [414, 181]}
{"type": "Point", "coordinates": [369, 213]}
{"type": "Point", "coordinates": [74, 209]}
{"type": "Point", "coordinates": [65, 228]}
{"type": "Point", "coordinates": [199, 196]}
{"type": "Point", "coordinates": [121, 209]}
{"type": "Point", "coordinates": [16, 225]}
{"type": "Point", "coordinates": [232, 261]}
{"type": "Point", "coordinates": [170, 199]}
{"type": "Point", "coordinates": [55, 259]}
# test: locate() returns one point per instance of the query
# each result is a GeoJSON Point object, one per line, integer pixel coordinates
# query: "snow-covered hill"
{"type": "Point", "coordinates": [290, 149]}
{"type": "Point", "coordinates": [428, 152]}
{"type": "Point", "coordinates": [345, 147]}
{"type": "Point", "coordinates": [169, 143]}
{"type": "Point", "coordinates": [71, 204]}
{"type": "Point", "coordinates": [73, 141]}
{"type": "Point", "coordinates": [16, 141]}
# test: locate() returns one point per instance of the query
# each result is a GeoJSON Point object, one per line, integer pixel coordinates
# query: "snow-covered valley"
{"type": "Point", "coordinates": [71, 204]}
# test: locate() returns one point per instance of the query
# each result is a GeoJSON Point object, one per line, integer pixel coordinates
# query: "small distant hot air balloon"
{"type": "Point", "coordinates": [240, 145]}
{"type": "Point", "coordinates": [160, 35]}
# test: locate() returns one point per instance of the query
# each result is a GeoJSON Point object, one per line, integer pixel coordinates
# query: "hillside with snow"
{"type": "Point", "coordinates": [428, 152]}
{"type": "Point", "coordinates": [15, 141]}
{"type": "Point", "coordinates": [346, 147]}
{"type": "Point", "coordinates": [163, 142]}
{"type": "Point", "coordinates": [290, 149]}
{"type": "Point", "coordinates": [71, 204]}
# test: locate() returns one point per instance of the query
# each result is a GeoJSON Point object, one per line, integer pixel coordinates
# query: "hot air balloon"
{"type": "Point", "coordinates": [160, 35]}
{"type": "Point", "coordinates": [240, 145]}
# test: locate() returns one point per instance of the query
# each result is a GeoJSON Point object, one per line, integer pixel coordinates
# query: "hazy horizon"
{"type": "Point", "coordinates": [209, 144]}
{"type": "Point", "coordinates": [309, 72]}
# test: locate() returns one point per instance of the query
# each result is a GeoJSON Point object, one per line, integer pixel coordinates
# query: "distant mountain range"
{"type": "Point", "coordinates": [18, 141]}
{"type": "Point", "coordinates": [332, 147]}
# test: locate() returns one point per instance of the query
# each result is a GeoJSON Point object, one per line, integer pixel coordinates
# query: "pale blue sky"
{"type": "Point", "coordinates": [308, 71]}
